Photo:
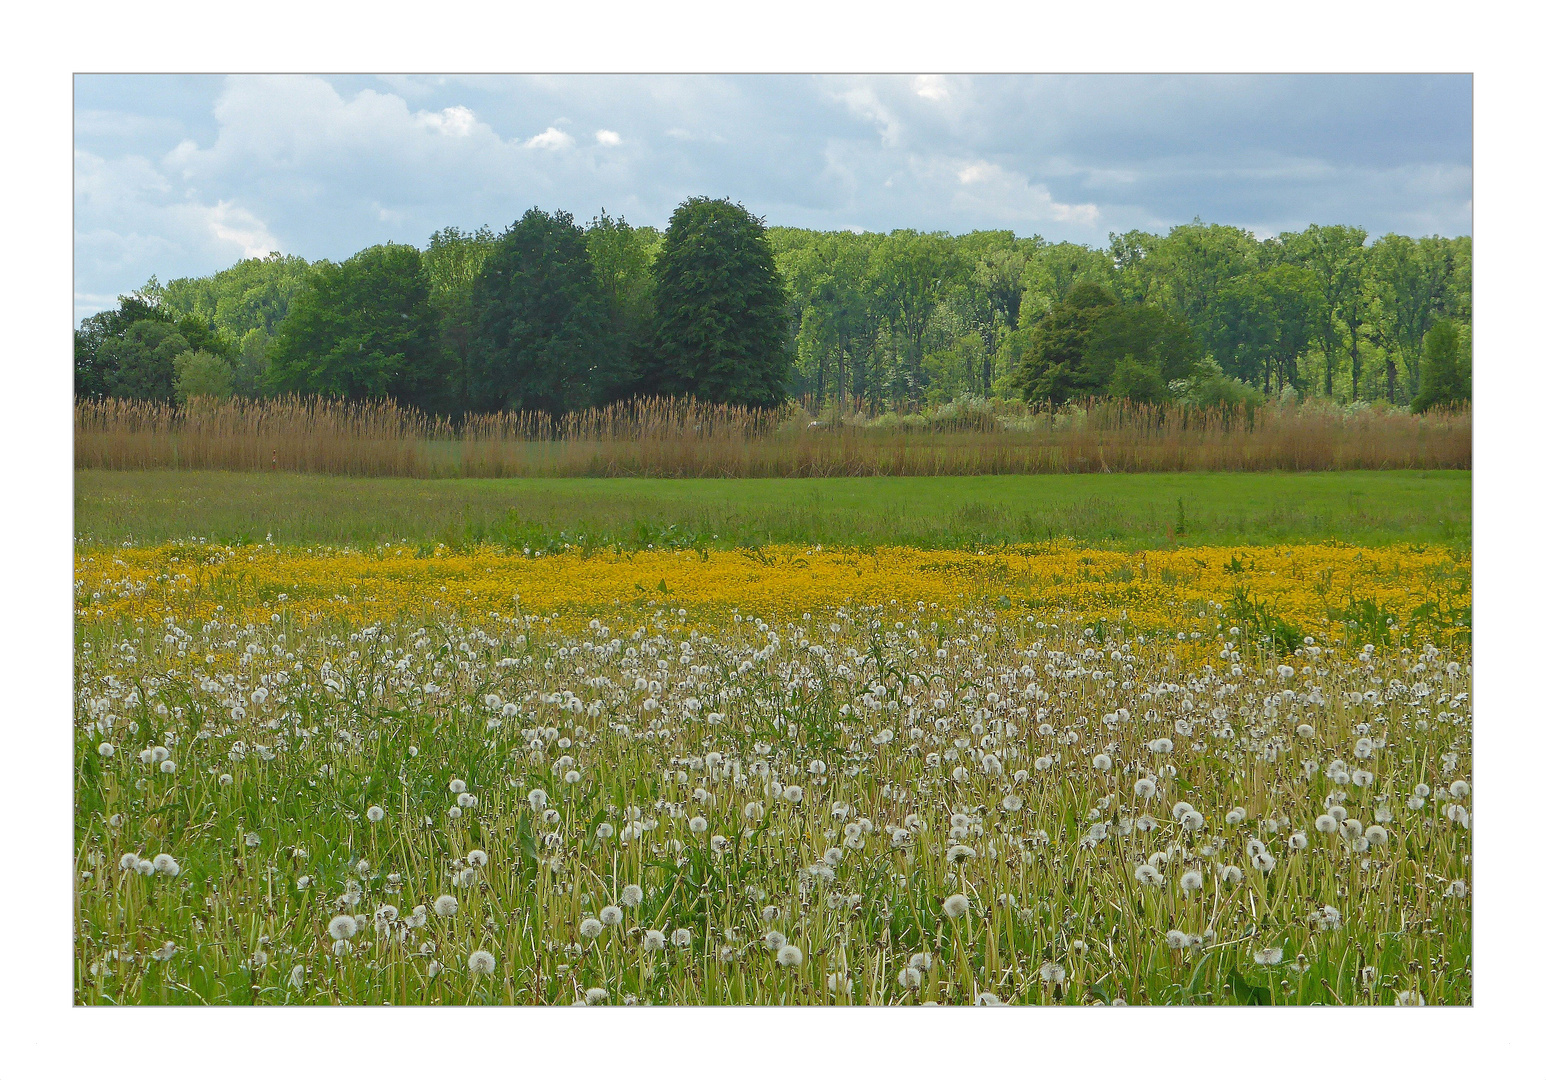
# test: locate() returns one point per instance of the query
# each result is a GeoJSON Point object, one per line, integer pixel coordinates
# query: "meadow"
{"type": "Point", "coordinates": [1118, 510]}
{"type": "Point", "coordinates": [1049, 774]}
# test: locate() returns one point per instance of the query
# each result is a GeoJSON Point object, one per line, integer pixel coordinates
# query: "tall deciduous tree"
{"type": "Point", "coordinates": [362, 329]}
{"type": "Point", "coordinates": [140, 364]}
{"type": "Point", "coordinates": [1413, 281]}
{"type": "Point", "coordinates": [1336, 256]}
{"type": "Point", "coordinates": [1446, 368]}
{"type": "Point", "coordinates": [544, 342]}
{"type": "Point", "coordinates": [452, 261]}
{"type": "Point", "coordinates": [720, 332]}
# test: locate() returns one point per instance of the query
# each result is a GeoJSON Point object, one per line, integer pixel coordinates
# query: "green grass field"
{"type": "Point", "coordinates": [1127, 511]}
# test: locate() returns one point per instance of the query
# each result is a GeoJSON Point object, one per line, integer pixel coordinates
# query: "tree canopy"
{"type": "Point", "coordinates": [719, 328]}
{"type": "Point", "coordinates": [364, 328]}
{"type": "Point", "coordinates": [544, 340]}
{"type": "Point", "coordinates": [724, 308]}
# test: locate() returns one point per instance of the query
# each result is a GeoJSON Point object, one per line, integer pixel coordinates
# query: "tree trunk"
{"type": "Point", "coordinates": [1390, 377]}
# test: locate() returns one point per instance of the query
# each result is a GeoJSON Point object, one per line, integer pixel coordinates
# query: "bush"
{"type": "Point", "coordinates": [1210, 388]}
{"type": "Point", "coordinates": [1137, 381]}
{"type": "Point", "coordinates": [200, 374]}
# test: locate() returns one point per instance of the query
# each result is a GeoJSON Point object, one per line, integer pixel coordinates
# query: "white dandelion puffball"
{"type": "Point", "coordinates": [1177, 939]}
{"type": "Point", "coordinates": [681, 937]}
{"type": "Point", "coordinates": [375, 813]}
{"type": "Point", "coordinates": [910, 978]}
{"type": "Point", "coordinates": [1326, 824]}
{"type": "Point", "coordinates": [1235, 816]}
{"type": "Point", "coordinates": [774, 940]}
{"type": "Point", "coordinates": [1012, 803]}
{"type": "Point", "coordinates": [481, 962]}
{"type": "Point", "coordinates": [342, 927]}
{"type": "Point", "coordinates": [1268, 957]}
{"type": "Point", "coordinates": [596, 995]}
{"type": "Point", "coordinates": [632, 895]}
{"type": "Point", "coordinates": [106, 750]}
{"type": "Point", "coordinates": [1191, 881]}
{"type": "Point", "coordinates": [1145, 788]}
{"type": "Point", "coordinates": [654, 940]}
{"type": "Point", "coordinates": [477, 857]}
{"type": "Point", "coordinates": [446, 906]}
{"type": "Point", "coordinates": [790, 956]}
{"type": "Point", "coordinates": [1101, 762]}
{"type": "Point", "coordinates": [698, 825]}
{"type": "Point", "coordinates": [591, 928]}
{"type": "Point", "coordinates": [956, 905]}
{"type": "Point", "coordinates": [458, 786]}
{"type": "Point", "coordinates": [167, 865]}
{"type": "Point", "coordinates": [537, 798]}
{"type": "Point", "coordinates": [611, 915]}
{"type": "Point", "coordinates": [1376, 835]}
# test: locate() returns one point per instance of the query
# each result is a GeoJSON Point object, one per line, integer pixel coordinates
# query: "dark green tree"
{"type": "Point", "coordinates": [543, 339]}
{"type": "Point", "coordinates": [140, 364]}
{"type": "Point", "coordinates": [622, 256]}
{"type": "Point", "coordinates": [720, 331]}
{"type": "Point", "coordinates": [1446, 369]}
{"type": "Point", "coordinates": [452, 261]}
{"type": "Point", "coordinates": [364, 329]}
{"type": "Point", "coordinates": [1054, 367]}
{"type": "Point", "coordinates": [92, 369]}
{"type": "Point", "coordinates": [1151, 346]}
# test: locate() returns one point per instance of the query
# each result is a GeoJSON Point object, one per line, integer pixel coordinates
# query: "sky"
{"type": "Point", "coordinates": [180, 176]}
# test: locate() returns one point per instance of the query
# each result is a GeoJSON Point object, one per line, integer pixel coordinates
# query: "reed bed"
{"type": "Point", "coordinates": [677, 438]}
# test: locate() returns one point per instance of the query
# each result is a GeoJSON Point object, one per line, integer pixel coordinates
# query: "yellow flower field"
{"type": "Point", "coordinates": [1180, 590]}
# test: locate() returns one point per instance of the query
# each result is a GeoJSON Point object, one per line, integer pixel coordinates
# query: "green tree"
{"type": "Point", "coordinates": [452, 261]}
{"type": "Point", "coordinates": [1446, 368]}
{"type": "Point", "coordinates": [720, 332]}
{"type": "Point", "coordinates": [1415, 283]}
{"type": "Point", "coordinates": [1055, 366]}
{"type": "Point", "coordinates": [249, 367]}
{"type": "Point", "coordinates": [623, 256]}
{"type": "Point", "coordinates": [92, 367]}
{"type": "Point", "coordinates": [139, 364]}
{"type": "Point", "coordinates": [363, 329]}
{"type": "Point", "coordinates": [909, 273]}
{"type": "Point", "coordinates": [254, 294]}
{"type": "Point", "coordinates": [544, 342]}
{"type": "Point", "coordinates": [1263, 323]}
{"type": "Point", "coordinates": [199, 374]}
{"type": "Point", "coordinates": [1336, 256]}
{"type": "Point", "coordinates": [1187, 271]}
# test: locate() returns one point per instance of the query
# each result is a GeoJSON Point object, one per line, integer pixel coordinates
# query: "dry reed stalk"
{"type": "Point", "coordinates": [683, 438]}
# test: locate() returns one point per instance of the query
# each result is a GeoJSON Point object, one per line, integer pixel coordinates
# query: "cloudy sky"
{"type": "Point", "coordinates": [183, 175]}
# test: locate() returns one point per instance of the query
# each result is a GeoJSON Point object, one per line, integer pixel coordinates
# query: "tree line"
{"type": "Point", "coordinates": [552, 316]}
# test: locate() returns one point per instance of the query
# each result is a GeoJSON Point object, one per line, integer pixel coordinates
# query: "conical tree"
{"type": "Point", "coordinates": [719, 332]}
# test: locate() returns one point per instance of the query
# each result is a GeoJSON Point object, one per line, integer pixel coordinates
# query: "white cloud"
{"type": "Point", "coordinates": [551, 139]}
{"type": "Point", "coordinates": [608, 138]}
{"type": "Point", "coordinates": [932, 87]}
{"type": "Point", "coordinates": [230, 224]}
{"type": "Point", "coordinates": [1001, 196]}
{"type": "Point", "coordinates": [456, 120]}
{"type": "Point", "coordinates": [864, 103]}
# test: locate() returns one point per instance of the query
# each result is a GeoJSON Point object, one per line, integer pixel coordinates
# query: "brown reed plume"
{"type": "Point", "coordinates": [664, 437]}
